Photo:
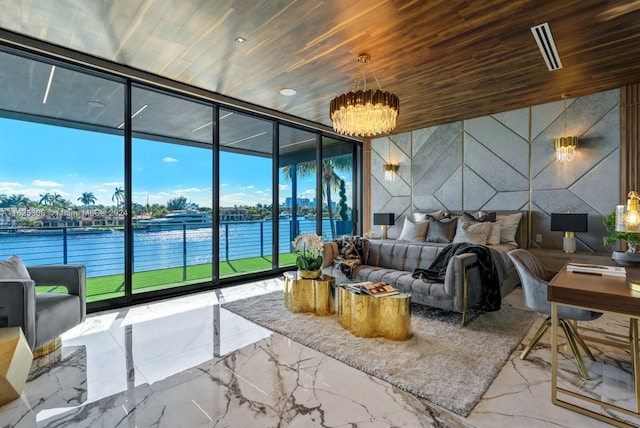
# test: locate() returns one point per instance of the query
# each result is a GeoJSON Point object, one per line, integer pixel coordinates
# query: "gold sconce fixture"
{"type": "Point", "coordinates": [364, 112]}
{"type": "Point", "coordinates": [565, 146]}
{"type": "Point", "coordinates": [390, 169]}
{"type": "Point", "coordinates": [628, 216]}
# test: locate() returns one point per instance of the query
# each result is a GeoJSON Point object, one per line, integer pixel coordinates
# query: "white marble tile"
{"type": "Point", "coordinates": [191, 363]}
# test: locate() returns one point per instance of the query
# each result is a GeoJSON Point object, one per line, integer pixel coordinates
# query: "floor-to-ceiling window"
{"type": "Point", "coordinates": [62, 169]}
{"type": "Point", "coordinates": [246, 194]}
{"type": "Point", "coordinates": [211, 192]}
{"type": "Point", "coordinates": [297, 191]}
{"type": "Point", "coordinates": [338, 163]}
{"type": "Point", "coordinates": [171, 190]}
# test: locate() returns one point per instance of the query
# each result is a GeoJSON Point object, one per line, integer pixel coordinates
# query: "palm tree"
{"type": "Point", "coordinates": [46, 199]}
{"type": "Point", "coordinates": [87, 198]}
{"type": "Point", "coordinates": [118, 196]}
{"type": "Point", "coordinates": [330, 179]}
{"type": "Point", "coordinates": [17, 201]}
{"type": "Point", "coordinates": [58, 201]}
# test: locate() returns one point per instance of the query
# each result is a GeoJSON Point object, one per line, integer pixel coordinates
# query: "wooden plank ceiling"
{"type": "Point", "coordinates": [446, 59]}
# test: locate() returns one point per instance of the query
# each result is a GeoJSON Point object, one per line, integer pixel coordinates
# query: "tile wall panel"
{"type": "Point", "coordinates": [506, 161]}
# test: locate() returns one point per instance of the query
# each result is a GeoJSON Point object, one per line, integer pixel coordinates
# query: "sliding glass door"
{"type": "Point", "coordinates": [171, 192]}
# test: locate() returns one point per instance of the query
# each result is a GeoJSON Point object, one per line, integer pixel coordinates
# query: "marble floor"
{"type": "Point", "coordinates": [187, 362]}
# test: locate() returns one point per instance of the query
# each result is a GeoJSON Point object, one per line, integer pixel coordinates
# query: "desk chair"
{"type": "Point", "coordinates": [534, 278]}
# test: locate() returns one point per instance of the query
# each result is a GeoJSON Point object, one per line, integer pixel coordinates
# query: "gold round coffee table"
{"type": "Point", "coordinates": [309, 295]}
{"type": "Point", "coordinates": [369, 316]}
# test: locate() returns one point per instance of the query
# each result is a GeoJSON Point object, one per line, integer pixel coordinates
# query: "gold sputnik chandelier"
{"type": "Point", "coordinates": [364, 112]}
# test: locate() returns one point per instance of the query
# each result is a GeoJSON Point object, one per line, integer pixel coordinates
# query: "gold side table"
{"type": "Point", "coordinates": [309, 295]}
{"type": "Point", "coordinates": [369, 316]}
{"type": "Point", "coordinates": [15, 363]}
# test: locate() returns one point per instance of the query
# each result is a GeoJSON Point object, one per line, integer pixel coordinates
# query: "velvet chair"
{"type": "Point", "coordinates": [534, 278]}
{"type": "Point", "coordinates": [43, 317]}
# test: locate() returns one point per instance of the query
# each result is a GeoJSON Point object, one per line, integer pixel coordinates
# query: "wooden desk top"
{"type": "Point", "coordinates": [596, 292]}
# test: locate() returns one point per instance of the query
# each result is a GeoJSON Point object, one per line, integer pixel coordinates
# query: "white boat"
{"type": "Point", "coordinates": [177, 219]}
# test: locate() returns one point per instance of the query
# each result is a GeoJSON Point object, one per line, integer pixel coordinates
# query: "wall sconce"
{"type": "Point", "coordinates": [628, 216]}
{"type": "Point", "coordinates": [565, 147]}
{"type": "Point", "coordinates": [390, 170]}
{"type": "Point", "coordinates": [384, 220]}
{"type": "Point", "coordinates": [569, 223]}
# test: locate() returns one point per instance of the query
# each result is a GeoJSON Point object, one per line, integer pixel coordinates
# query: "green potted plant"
{"type": "Point", "coordinates": [308, 249]}
{"type": "Point", "coordinates": [632, 239]}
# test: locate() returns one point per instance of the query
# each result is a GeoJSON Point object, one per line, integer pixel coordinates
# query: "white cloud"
{"type": "Point", "coordinates": [283, 187]}
{"type": "Point", "coordinates": [113, 183]}
{"type": "Point", "coordinates": [308, 194]}
{"type": "Point", "coordinates": [191, 190]}
{"type": "Point", "coordinates": [46, 183]}
{"type": "Point", "coordinates": [169, 159]}
{"type": "Point", "coordinates": [9, 184]}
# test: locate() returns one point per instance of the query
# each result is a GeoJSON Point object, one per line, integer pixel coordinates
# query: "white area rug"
{"type": "Point", "coordinates": [443, 363]}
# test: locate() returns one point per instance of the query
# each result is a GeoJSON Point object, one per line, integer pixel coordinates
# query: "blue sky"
{"type": "Point", "coordinates": [38, 158]}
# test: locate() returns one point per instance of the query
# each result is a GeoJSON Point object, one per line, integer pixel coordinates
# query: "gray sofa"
{"type": "Point", "coordinates": [393, 261]}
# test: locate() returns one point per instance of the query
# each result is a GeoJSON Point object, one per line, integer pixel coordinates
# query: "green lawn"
{"type": "Point", "coordinates": [107, 287]}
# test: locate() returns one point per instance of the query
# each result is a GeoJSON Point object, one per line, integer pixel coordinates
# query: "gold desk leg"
{"type": "Point", "coordinates": [636, 360]}
{"type": "Point", "coordinates": [554, 352]}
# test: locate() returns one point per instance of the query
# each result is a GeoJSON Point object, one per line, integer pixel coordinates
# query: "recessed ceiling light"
{"type": "Point", "coordinates": [287, 92]}
{"type": "Point", "coordinates": [92, 103]}
{"type": "Point", "coordinates": [240, 39]}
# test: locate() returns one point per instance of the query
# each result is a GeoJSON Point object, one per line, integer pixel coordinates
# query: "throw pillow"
{"type": "Point", "coordinates": [472, 231]}
{"type": "Point", "coordinates": [442, 230]}
{"type": "Point", "coordinates": [13, 268]}
{"type": "Point", "coordinates": [493, 238]}
{"type": "Point", "coordinates": [509, 227]}
{"type": "Point", "coordinates": [414, 231]}
{"type": "Point", "coordinates": [436, 215]}
{"type": "Point", "coordinates": [494, 233]}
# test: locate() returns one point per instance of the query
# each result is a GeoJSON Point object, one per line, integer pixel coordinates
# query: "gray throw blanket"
{"type": "Point", "coordinates": [492, 271]}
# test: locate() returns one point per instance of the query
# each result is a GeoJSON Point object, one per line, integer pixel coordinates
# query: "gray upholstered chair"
{"type": "Point", "coordinates": [534, 278]}
{"type": "Point", "coordinates": [43, 317]}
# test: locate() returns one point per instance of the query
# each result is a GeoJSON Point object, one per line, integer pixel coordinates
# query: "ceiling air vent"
{"type": "Point", "coordinates": [542, 34]}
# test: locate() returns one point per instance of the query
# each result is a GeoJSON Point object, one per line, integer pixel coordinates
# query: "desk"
{"type": "Point", "coordinates": [602, 294]}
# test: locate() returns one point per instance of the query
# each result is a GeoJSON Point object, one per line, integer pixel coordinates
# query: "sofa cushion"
{"type": "Point", "coordinates": [472, 231]}
{"type": "Point", "coordinates": [13, 268]}
{"type": "Point", "coordinates": [401, 256]}
{"type": "Point", "coordinates": [442, 231]}
{"type": "Point", "coordinates": [509, 227]}
{"type": "Point", "coordinates": [414, 230]}
{"type": "Point", "coordinates": [493, 238]}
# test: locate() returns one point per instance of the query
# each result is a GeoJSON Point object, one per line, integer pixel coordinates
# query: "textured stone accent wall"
{"type": "Point", "coordinates": [505, 161]}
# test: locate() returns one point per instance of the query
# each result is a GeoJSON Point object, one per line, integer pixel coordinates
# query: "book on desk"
{"type": "Point", "coordinates": [594, 269]}
{"type": "Point", "coordinates": [375, 289]}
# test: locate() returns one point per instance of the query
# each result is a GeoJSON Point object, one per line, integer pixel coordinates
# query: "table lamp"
{"type": "Point", "coordinates": [569, 223]}
{"type": "Point", "coordinates": [384, 220]}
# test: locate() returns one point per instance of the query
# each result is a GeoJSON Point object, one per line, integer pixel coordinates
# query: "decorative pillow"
{"type": "Point", "coordinates": [493, 238]}
{"type": "Point", "coordinates": [414, 231]}
{"type": "Point", "coordinates": [442, 230]}
{"type": "Point", "coordinates": [509, 227]}
{"type": "Point", "coordinates": [436, 215]}
{"type": "Point", "coordinates": [494, 233]}
{"type": "Point", "coordinates": [480, 216]}
{"type": "Point", "coordinates": [472, 231]}
{"type": "Point", "coordinates": [13, 268]}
